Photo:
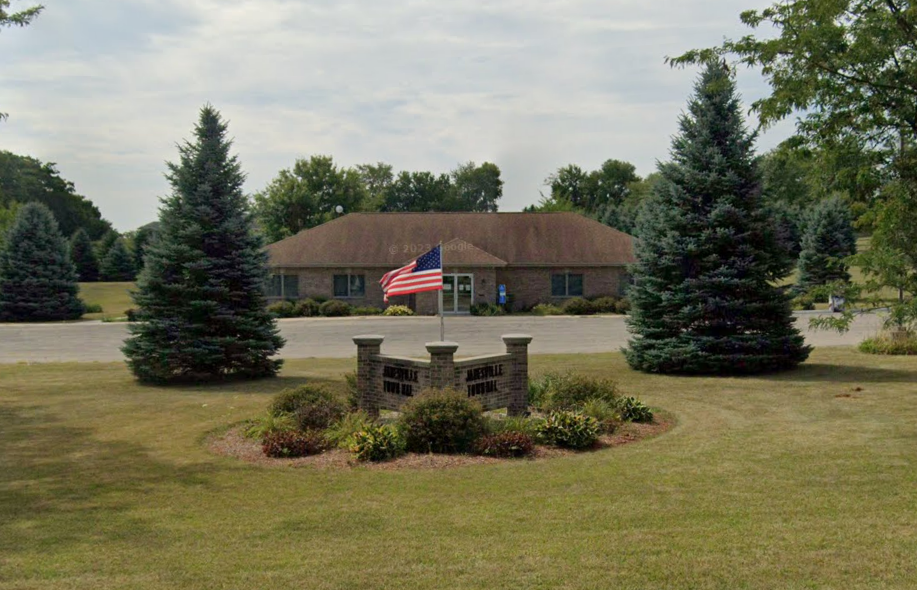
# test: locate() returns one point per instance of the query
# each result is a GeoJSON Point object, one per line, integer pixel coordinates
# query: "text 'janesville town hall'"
{"type": "Point", "coordinates": [535, 257]}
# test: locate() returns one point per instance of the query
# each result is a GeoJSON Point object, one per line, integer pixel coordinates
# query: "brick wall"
{"type": "Point", "coordinates": [529, 286]}
{"type": "Point", "coordinates": [526, 286]}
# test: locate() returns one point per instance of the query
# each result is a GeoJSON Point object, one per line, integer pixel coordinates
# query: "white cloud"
{"type": "Point", "coordinates": [107, 89]}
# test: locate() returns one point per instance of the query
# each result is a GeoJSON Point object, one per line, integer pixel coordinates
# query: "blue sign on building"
{"type": "Point", "coordinates": [501, 291]}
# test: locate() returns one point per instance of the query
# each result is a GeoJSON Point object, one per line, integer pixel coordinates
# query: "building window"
{"type": "Point", "coordinates": [349, 285]}
{"type": "Point", "coordinates": [283, 287]}
{"type": "Point", "coordinates": [566, 285]}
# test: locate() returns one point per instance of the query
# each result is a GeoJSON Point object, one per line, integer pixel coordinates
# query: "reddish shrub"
{"type": "Point", "coordinates": [294, 444]}
{"type": "Point", "coordinates": [505, 444]}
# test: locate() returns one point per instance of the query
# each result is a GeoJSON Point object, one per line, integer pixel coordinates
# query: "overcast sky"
{"type": "Point", "coordinates": [106, 88]}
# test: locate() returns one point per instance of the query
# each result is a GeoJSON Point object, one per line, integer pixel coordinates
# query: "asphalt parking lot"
{"type": "Point", "coordinates": [331, 337]}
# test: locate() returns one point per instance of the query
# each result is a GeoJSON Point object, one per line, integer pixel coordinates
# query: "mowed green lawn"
{"type": "Point", "coordinates": [801, 480]}
{"type": "Point", "coordinates": [115, 298]}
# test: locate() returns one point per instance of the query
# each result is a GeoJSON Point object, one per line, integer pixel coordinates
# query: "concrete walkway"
{"type": "Point", "coordinates": [331, 337]}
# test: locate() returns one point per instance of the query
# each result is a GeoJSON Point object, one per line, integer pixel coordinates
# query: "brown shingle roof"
{"type": "Point", "coordinates": [516, 239]}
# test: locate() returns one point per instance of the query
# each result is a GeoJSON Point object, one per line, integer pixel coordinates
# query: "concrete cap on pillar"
{"type": "Point", "coordinates": [516, 338]}
{"type": "Point", "coordinates": [441, 347]}
{"type": "Point", "coordinates": [368, 339]}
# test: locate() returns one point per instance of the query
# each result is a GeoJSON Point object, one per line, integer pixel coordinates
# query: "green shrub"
{"type": "Point", "coordinates": [505, 444]}
{"type": "Point", "coordinates": [622, 306]}
{"type": "Point", "coordinates": [377, 443]}
{"type": "Point", "coordinates": [487, 309]}
{"type": "Point", "coordinates": [441, 421]}
{"type": "Point", "coordinates": [340, 432]}
{"type": "Point", "coordinates": [569, 391]}
{"type": "Point", "coordinates": [270, 424]}
{"type": "Point", "coordinates": [578, 306]}
{"type": "Point", "coordinates": [366, 310]}
{"type": "Point", "coordinates": [633, 410]}
{"type": "Point", "coordinates": [306, 308]}
{"type": "Point", "coordinates": [887, 344]}
{"type": "Point", "coordinates": [335, 308]}
{"type": "Point", "coordinates": [605, 413]}
{"type": "Point", "coordinates": [605, 305]}
{"type": "Point", "coordinates": [312, 407]}
{"type": "Point", "coordinates": [293, 444]}
{"type": "Point", "coordinates": [547, 309]}
{"type": "Point", "coordinates": [92, 308]}
{"type": "Point", "coordinates": [572, 430]}
{"type": "Point", "coordinates": [398, 310]}
{"type": "Point", "coordinates": [319, 299]}
{"type": "Point", "coordinates": [282, 309]}
{"type": "Point", "coordinates": [131, 314]}
{"type": "Point", "coordinates": [353, 394]}
{"type": "Point", "coordinates": [510, 424]}
{"type": "Point", "coordinates": [803, 302]}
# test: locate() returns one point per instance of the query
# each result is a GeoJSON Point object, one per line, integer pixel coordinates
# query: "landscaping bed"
{"type": "Point", "coordinates": [233, 443]}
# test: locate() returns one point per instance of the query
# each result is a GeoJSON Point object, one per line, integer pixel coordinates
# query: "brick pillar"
{"type": "Point", "coordinates": [369, 381]}
{"type": "Point", "coordinates": [518, 346]}
{"type": "Point", "coordinates": [442, 364]}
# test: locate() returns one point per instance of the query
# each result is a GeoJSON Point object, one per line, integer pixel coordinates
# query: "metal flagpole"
{"type": "Point", "coordinates": [442, 319]}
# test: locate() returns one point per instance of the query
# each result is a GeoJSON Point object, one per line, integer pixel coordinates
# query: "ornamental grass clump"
{"type": "Point", "coordinates": [441, 421]}
{"type": "Point", "coordinates": [313, 407]}
{"type": "Point", "coordinates": [569, 391]}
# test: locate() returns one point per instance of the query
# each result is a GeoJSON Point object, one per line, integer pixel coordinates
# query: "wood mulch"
{"type": "Point", "coordinates": [233, 443]}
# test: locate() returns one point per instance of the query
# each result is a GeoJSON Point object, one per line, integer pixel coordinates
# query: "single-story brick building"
{"type": "Point", "coordinates": [539, 257]}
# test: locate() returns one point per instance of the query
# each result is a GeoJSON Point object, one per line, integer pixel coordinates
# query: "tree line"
{"type": "Point", "coordinates": [310, 192]}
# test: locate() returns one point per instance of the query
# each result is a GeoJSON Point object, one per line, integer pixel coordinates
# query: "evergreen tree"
{"type": "Point", "coordinates": [145, 235]}
{"type": "Point", "coordinates": [83, 257]}
{"type": "Point", "coordinates": [202, 309]}
{"type": "Point", "coordinates": [703, 299]}
{"type": "Point", "coordinates": [829, 238]}
{"type": "Point", "coordinates": [37, 279]}
{"type": "Point", "coordinates": [118, 264]}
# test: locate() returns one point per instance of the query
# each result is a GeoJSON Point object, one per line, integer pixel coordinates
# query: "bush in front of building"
{"type": "Point", "coordinates": [38, 282]}
{"type": "Point", "coordinates": [366, 310]}
{"type": "Point", "coordinates": [705, 299]}
{"type": "Point", "coordinates": [578, 306]}
{"type": "Point", "coordinates": [509, 444]}
{"type": "Point", "coordinates": [377, 443]}
{"type": "Point", "coordinates": [398, 310]}
{"type": "Point", "coordinates": [334, 308]}
{"type": "Point", "coordinates": [441, 421]}
{"type": "Point", "coordinates": [623, 306]}
{"type": "Point", "coordinates": [282, 309]}
{"type": "Point", "coordinates": [547, 309]}
{"type": "Point", "coordinates": [307, 308]}
{"type": "Point", "coordinates": [571, 430]}
{"type": "Point", "coordinates": [605, 304]}
{"type": "Point", "coordinates": [487, 309]}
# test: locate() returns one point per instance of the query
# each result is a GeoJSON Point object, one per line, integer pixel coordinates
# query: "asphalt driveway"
{"type": "Point", "coordinates": [331, 337]}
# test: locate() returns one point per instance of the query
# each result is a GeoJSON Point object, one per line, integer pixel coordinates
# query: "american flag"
{"type": "Point", "coordinates": [422, 274]}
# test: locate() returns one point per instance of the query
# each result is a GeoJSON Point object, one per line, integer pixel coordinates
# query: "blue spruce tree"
{"type": "Point", "coordinates": [201, 305]}
{"type": "Point", "coordinates": [704, 300]}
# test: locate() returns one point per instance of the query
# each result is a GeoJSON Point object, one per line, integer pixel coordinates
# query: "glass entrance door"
{"type": "Point", "coordinates": [458, 293]}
